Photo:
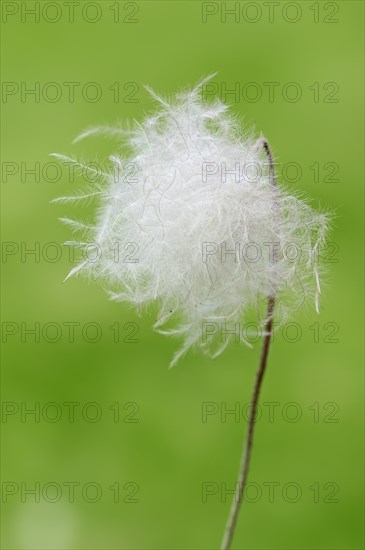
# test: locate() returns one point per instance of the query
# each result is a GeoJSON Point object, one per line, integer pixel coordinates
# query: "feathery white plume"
{"type": "Point", "coordinates": [191, 220]}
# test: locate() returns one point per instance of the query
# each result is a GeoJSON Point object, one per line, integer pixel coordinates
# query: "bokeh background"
{"type": "Point", "coordinates": [147, 471]}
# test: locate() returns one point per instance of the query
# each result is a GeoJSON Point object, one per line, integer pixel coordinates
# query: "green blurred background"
{"type": "Point", "coordinates": [164, 459]}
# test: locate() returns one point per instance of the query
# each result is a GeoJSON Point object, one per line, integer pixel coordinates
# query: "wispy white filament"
{"type": "Point", "coordinates": [192, 221]}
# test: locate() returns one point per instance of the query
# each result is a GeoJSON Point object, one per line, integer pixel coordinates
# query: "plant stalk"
{"type": "Point", "coordinates": [247, 447]}
{"type": "Point", "coordinates": [247, 450]}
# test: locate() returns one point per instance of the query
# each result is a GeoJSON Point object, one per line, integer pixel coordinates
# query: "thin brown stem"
{"type": "Point", "coordinates": [247, 447]}
{"type": "Point", "coordinates": [247, 450]}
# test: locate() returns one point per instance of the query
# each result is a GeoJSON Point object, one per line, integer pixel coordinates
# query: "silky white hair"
{"type": "Point", "coordinates": [192, 220]}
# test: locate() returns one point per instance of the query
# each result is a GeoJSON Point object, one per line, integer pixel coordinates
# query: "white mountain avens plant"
{"type": "Point", "coordinates": [193, 219]}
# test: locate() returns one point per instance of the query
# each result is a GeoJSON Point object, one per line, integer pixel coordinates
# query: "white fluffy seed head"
{"type": "Point", "coordinates": [192, 220]}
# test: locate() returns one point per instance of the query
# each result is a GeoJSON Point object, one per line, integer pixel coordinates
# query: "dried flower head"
{"type": "Point", "coordinates": [192, 220]}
